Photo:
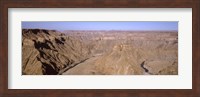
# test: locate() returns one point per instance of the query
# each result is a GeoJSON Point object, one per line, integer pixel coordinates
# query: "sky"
{"type": "Point", "coordinates": [102, 25]}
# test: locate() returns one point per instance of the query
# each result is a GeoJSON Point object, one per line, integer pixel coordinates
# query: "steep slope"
{"type": "Point", "coordinates": [48, 51]}
{"type": "Point", "coordinates": [122, 60]}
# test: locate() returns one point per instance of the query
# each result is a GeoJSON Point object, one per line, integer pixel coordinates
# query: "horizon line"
{"type": "Point", "coordinates": [96, 30]}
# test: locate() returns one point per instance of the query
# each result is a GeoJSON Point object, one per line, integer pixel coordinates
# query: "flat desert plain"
{"type": "Point", "coordinates": [99, 52]}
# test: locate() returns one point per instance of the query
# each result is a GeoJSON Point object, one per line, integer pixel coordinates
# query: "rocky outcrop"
{"type": "Point", "coordinates": [49, 51]}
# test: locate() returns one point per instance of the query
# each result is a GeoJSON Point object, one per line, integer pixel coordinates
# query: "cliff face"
{"type": "Point", "coordinates": [99, 52]}
{"type": "Point", "coordinates": [48, 51]}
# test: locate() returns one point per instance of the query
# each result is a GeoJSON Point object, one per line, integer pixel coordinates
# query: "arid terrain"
{"type": "Point", "coordinates": [50, 52]}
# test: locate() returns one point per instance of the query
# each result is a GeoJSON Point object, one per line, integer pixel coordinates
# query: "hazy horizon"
{"type": "Point", "coordinates": [103, 26]}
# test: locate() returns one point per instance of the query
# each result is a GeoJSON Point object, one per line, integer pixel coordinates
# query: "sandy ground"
{"type": "Point", "coordinates": [85, 68]}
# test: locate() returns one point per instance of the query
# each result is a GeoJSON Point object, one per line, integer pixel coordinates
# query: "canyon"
{"type": "Point", "coordinates": [99, 52]}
